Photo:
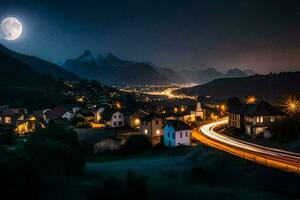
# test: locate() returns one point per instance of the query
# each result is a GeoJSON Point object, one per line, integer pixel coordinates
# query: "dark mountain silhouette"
{"type": "Point", "coordinates": [272, 86]}
{"type": "Point", "coordinates": [202, 76]}
{"type": "Point", "coordinates": [249, 72]}
{"type": "Point", "coordinates": [172, 75]}
{"type": "Point", "coordinates": [110, 69]}
{"type": "Point", "coordinates": [41, 66]}
{"type": "Point", "coordinates": [235, 73]}
{"type": "Point", "coordinates": [209, 74]}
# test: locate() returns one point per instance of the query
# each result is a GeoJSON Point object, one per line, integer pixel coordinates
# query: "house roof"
{"type": "Point", "coordinates": [108, 112]}
{"type": "Point", "coordinates": [86, 113]}
{"type": "Point", "coordinates": [13, 112]}
{"type": "Point", "coordinates": [262, 108]}
{"type": "Point", "coordinates": [95, 136]}
{"type": "Point", "coordinates": [149, 117]}
{"type": "Point", "coordinates": [57, 112]}
{"type": "Point", "coordinates": [139, 113]}
{"type": "Point", "coordinates": [178, 125]}
{"type": "Point", "coordinates": [93, 139]}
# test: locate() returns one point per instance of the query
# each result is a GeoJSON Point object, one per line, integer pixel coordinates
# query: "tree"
{"type": "Point", "coordinates": [7, 137]}
{"type": "Point", "coordinates": [285, 130]}
{"type": "Point", "coordinates": [137, 143]}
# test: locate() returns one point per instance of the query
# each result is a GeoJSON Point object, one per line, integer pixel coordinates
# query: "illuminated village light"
{"type": "Point", "coordinates": [250, 100]}
{"type": "Point", "coordinates": [182, 109]}
{"type": "Point", "coordinates": [291, 106]}
{"type": "Point", "coordinates": [223, 108]}
{"type": "Point", "coordinates": [175, 110]}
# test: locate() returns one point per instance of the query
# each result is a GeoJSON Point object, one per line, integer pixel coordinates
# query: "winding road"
{"type": "Point", "coordinates": [271, 157]}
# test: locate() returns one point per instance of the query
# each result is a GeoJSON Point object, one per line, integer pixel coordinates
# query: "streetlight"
{"type": "Point", "coordinates": [250, 100]}
{"type": "Point", "coordinates": [292, 106]}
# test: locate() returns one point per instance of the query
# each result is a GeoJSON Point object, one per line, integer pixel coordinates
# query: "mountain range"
{"type": "Point", "coordinates": [110, 69]}
{"type": "Point", "coordinates": [270, 87]}
{"type": "Point", "coordinates": [209, 74]}
{"type": "Point", "coordinates": [41, 66]}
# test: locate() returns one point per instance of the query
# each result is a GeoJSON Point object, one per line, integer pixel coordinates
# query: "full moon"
{"type": "Point", "coordinates": [11, 28]}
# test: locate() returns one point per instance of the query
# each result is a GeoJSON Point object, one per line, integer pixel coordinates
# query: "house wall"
{"type": "Point", "coordinates": [174, 138]}
{"type": "Point", "coordinates": [152, 128]}
{"type": "Point", "coordinates": [106, 145]}
{"type": "Point", "coordinates": [183, 137]}
{"type": "Point", "coordinates": [117, 120]}
{"type": "Point", "coordinates": [234, 120]}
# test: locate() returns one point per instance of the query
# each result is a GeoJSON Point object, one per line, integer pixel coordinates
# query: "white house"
{"type": "Point", "coordinates": [112, 118]}
{"type": "Point", "coordinates": [117, 120]}
{"type": "Point", "coordinates": [176, 133]}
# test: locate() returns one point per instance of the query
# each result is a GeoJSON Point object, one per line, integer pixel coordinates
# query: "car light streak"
{"type": "Point", "coordinates": [272, 157]}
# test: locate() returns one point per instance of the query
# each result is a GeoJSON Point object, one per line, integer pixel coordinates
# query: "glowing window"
{"type": "Point", "coordinates": [7, 120]}
{"type": "Point", "coordinates": [157, 132]}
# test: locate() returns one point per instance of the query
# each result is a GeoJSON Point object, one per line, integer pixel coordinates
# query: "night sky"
{"type": "Point", "coordinates": [256, 34]}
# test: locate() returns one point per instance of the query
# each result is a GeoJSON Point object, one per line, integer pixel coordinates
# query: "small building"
{"type": "Point", "coordinates": [102, 140]}
{"type": "Point", "coordinates": [101, 143]}
{"type": "Point", "coordinates": [176, 133]}
{"type": "Point", "coordinates": [259, 116]}
{"type": "Point", "coordinates": [88, 116]}
{"type": "Point", "coordinates": [61, 113]}
{"type": "Point", "coordinates": [112, 118]}
{"type": "Point", "coordinates": [18, 121]}
{"type": "Point", "coordinates": [252, 119]}
{"type": "Point", "coordinates": [235, 111]}
{"type": "Point", "coordinates": [152, 126]}
{"type": "Point", "coordinates": [135, 118]}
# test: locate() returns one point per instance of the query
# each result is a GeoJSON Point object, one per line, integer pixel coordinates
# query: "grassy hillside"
{"type": "Point", "coordinates": [200, 173]}
{"type": "Point", "coordinates": [41, 66]}
{"type": "Point", "coordinates": [272, 86]}
{"type": "Point", "coordinates": [22, 86]}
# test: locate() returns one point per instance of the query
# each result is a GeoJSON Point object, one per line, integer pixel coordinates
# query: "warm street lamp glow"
{"type": "Point", "coordinates": [251, 100]}
{"type": "Point", "coordinates": [182, 109]}
{"type": "Point", "coordinates": [223, 108]}
{"type": "Point", "coordinates": [118, 105]}
{"type": "Point", "coordinates": [137, 121]}
{"type": "Point", "coordinates": [292, 106]}
{"type": "Point", "coordinates": [175, 110]}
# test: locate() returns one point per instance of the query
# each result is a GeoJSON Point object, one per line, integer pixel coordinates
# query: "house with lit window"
{"type": "Point", "coordinates": [152, 127]}
{"type": "Point", "coordinates": [259, 116]}
{"type": "Point", "coordinates": [135, 118]}
{"type": "Point", "coordinates": [18, 121]}
{"type": "Point", "coordinates": [176, 133]}
{"type": "Point", "coordinates": [235, 110]}
{"type": "Point", "coordinates": [253, 119]}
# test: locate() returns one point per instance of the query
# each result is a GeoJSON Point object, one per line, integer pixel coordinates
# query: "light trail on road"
{"type": "Point", "coordinates": [276, 158]}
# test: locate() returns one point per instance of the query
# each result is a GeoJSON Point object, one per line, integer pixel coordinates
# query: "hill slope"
{"type": "Point", "coordinates": [41, 66]}
{"type": "Point", "coordinates": [272, 86]}
{"type": "Point", "coordinates": [21, 86]}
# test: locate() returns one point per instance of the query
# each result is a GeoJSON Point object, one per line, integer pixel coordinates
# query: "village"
{"type": "Point", "coordinates": [106, 125]}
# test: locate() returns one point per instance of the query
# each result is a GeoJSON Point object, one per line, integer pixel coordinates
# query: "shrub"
{"type": "Point", "coordinates": [137, 143]}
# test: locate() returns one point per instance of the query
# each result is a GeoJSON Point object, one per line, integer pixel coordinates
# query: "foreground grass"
{"type": "Point", "coordinates": [199, 173]}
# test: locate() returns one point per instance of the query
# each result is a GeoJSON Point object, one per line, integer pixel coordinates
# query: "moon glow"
{"type": "Point", "coordinates": [11, 28]}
